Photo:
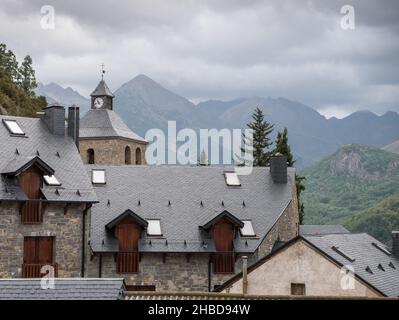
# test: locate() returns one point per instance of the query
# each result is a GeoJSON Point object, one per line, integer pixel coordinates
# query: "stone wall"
{"type": "Point", "coordinates": [66, 228]}
{"type": "Point", "coordinates": [111, 151]}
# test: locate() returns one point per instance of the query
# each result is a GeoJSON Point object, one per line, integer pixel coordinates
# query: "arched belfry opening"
{"type": "Point", "coordinates": [138, 156]}
{"type": "Point", "coordinates": [90, 156]}
{"type": "Point", "coordinates": [128, 155]}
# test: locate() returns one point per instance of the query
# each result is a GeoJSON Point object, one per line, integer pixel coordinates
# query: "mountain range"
{"type": "Point", "coordinates": [357, 186]}
{"type": "Point", "coordinates": [145, 104]}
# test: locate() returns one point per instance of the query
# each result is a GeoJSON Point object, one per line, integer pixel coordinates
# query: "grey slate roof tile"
{"type": "Point", "coordinates": [68, 166]}
{"type": "Point", "coordinates": [105, 123]}
{"type": "Point", "coordinates": [360, 247]}
{"type": "Point", "coordinates": [185, 187]}
{"type": "Point", "coordinates": [321, 229]}
{"type": "Point", "coordinates": [64, 289]}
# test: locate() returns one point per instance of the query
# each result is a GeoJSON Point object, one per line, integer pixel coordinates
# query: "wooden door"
{"type": "Point", "coordinates": [30, 181]}
{"type": "Point", "coordinates": [38, 251]}
{"type": "Point", "coordinates": [128, 234]}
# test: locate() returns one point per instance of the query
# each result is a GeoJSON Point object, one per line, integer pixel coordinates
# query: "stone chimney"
{"type": "Point", "coordinates": [73, 123]}
{"type": "Point", "coordinates": [395, 243]}
{"type": "Point", "coordinates": [278, 168]}
{"type": "Point", "coordinates": [54, 118]}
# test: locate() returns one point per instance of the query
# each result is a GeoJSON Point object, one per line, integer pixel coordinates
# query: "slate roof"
{"type": "Point", "coordinates": [147, 190]}
{"type": "Point", "coordinates": [360, 247]}
{"type": "Point", "coordinates": [105, 123]}
{"type": "Point", "coordinates": [101, 90]}
{"type": "Point", "coordinates": [58, 152]}
{"type": "Point", "coordinates": [64, 289]}
{"type": "Point", "coordinates": [315, 230]}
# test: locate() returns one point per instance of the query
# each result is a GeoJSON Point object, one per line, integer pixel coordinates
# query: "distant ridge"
{"type": "Point", "coordinates": [392, 147]}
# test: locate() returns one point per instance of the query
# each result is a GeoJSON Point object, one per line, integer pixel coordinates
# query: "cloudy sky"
{"type": "Point", "coordinates": [219, 49]}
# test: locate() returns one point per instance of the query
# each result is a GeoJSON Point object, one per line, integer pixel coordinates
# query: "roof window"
{"type": "Point", "coordinates": [13, 127]}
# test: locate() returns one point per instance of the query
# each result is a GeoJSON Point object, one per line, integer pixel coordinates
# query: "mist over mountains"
{"type": "Point", "coordinates": [144, 104]}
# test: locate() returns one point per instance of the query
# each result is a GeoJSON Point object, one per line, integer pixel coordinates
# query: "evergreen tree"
{"type": "Point", "coordinates": [260, 141]}
{"type": "Point", "coordinates": [284, 148]}
{"type": "Point", "coordinates": [27, 78]}
{"type": "Point", "coordinates": [8, 63]}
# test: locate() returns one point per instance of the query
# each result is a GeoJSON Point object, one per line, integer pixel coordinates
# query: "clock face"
{"type": "Point", "coordinates": [98, 103]}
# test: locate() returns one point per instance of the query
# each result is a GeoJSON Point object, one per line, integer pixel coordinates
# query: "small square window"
{"type": "Point", "coordinates": [98, 176]}
{"type": "Point", "coordinates": [154, 228]}
{"type": "Point", "coordinates": [51, 180]}
{"type": "Point", "coordinates": [13, 127]}
{"type": "Point", "coordinates": [247, 230]}
{"type": "Point", "coordinates": [298, 289]}
{"type": "Point", "coordinates": [232, 179]}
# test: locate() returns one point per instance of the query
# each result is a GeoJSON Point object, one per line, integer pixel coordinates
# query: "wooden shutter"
{"type": "Point", "coordinates": [29, 250]}
{"type": "Point", "coordinates": [128, 234]}
{"type": "Point", "coordinates": [30, 182]}
{"type": "Point", "coordinates": [223, 237]}
{"type": "Point", "coordinates": [45, 250]}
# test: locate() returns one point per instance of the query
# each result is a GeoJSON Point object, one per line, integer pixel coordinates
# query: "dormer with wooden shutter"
{"type": "Point", "coordinates": [223, 230]}
{"type": "Point", "coordinates": [127, 229]}
{"type": "Point", "coordinates": [26, 173]}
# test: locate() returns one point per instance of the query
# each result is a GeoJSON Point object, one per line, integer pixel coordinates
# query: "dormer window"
{"type": "Point", "coordinates": [232, 179]}
{"type": "Point", "coordinates": [98, 176]}
{"type": "Point", "coordinates": [51, 180]}
{"type": "Point", "coordinates": [13, 127]}
{"type": "Point", "coordinates": [247, 230]}
{"type": "Point", "coordinates": [154, 228]}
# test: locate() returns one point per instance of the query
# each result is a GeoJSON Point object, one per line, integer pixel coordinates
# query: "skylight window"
{"type": "Point", "coordinates": [232, 179]}
{"type": "Point", "coordinates": [98, 176]}
{"type": "Point", "coordinates": [13, 127]}
{"type": "Point", "coordinates": [154, 228]}
{"type": "Point", "coordinates": [51, 180]}
{"type": "Point", "coordinates": [343, 253]}
{"type": "Point", "coordinates": [247, 230]}
{"type": "Point", "coordinates": [381, 248]}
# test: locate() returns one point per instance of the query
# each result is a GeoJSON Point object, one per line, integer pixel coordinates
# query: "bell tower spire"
{"type": "Point", "coordinates": [102, 97]}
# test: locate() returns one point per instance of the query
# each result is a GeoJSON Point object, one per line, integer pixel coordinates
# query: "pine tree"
{"type": "Point", "coordinates": [27, 76]}
{"type": "Point", "coordinates": [8, 63]}
{"type": "Point", "coordinates": [260, 141]}
{"type": "Point", "coordinates": [284, 148]}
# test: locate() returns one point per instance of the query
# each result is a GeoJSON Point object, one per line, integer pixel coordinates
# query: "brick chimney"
{"type": "Point", "coordinates": [73, 123]}
{"type": "Point", "coordinates": [278, 168]}
{"type": "Point", "coordinates": [54, 118]}
{"type": "Point", "coordinates": [395, 243]}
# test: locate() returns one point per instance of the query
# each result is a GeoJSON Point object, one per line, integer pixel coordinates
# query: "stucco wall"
{"type": "Point", "coordinates": [111, 151]}
{"type": "Point", "coordinates": [66, 228]}
{"type": "Point", "coordinates": [299, 263]}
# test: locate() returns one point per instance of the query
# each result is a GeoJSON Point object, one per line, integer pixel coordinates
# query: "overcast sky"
{"type": "Point", "coordinates": [218, 49]}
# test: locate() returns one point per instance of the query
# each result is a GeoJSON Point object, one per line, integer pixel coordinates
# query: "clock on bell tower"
{"type": "Point", "coordinates": [101, 97]}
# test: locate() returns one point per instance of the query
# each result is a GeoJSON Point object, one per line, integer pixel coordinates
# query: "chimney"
{"type": "Point", "coordinates": [73, 123]}
{"type": "Point", "coordinates": [54, 118]}
{"type": "Point", "coordinates": [244, 275]}
{"type": "Point", "coordinates": [395, 243]}
{"type": "Point", "coordinates": [278, 168]}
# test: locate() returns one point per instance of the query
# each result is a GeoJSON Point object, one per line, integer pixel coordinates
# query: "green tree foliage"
{"type": "Point", "coordinates": [284, 148]}
{"type": "Point", "coordinates": [261, 140]}
{"type": "Point", "coordinates": [16, 86]}
{"type": "Point", "coordinates": [27, 80]}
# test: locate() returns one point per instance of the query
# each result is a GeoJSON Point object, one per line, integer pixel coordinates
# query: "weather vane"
{"type": "Point", "coordinates": [102, 70]}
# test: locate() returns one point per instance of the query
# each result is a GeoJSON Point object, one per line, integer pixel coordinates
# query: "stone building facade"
{"type": "Point", "coordinates": [115, 151]}
{"type": "Point", "coordinates": [64, 225]}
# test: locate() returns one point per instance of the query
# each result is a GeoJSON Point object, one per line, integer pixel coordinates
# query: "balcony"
{"type": "Point", "coordinates": [223, 262]}
{"type": "Point", "coordinates": [127, 262]}
{"type": "Point", "coordinates": [32, 211]}
{"type": "Point", "coordinates": [32, 270]}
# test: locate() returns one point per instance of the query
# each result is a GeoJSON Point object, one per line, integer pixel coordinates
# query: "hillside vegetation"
{"type": "Point", "coordinates": [357, 186]}
{"type": "Point", "coordinates": [17, 84]}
